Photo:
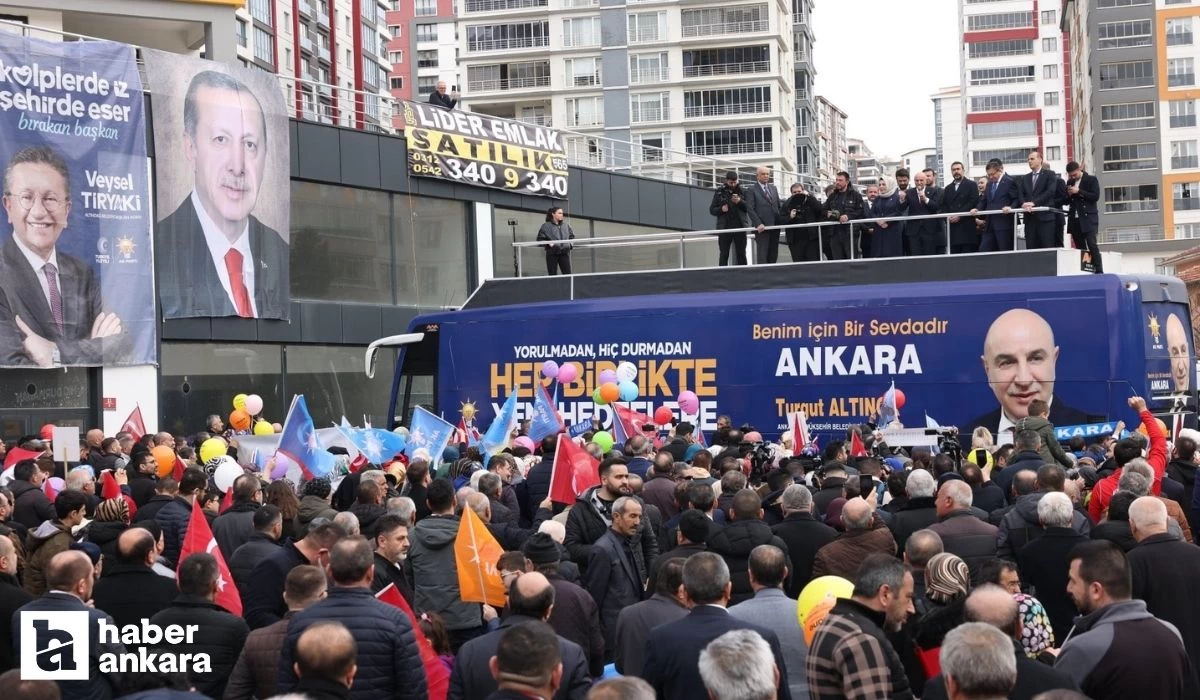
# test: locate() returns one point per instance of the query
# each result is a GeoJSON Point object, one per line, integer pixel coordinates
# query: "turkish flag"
{"type": "Point", "coordinates": [574, 471]}
{"type": "Point", "coordinates": [17, 454]}
{"type": "Point", "coordinates": [437, 678]}
{"type": "Point", "coordinates": [200, 539]}
{"type": "Point", "coordinates": [134, 424]}
{"type": "Point", "coordinates": [857, 448]}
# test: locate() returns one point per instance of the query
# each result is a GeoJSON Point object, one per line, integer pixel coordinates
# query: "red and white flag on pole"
{"type": "Point", "coordinates": [574, 471]}
{"type": "Point", "coordinates": [134, 424]}
{"type": "Point", "coordinates": [798, 424]}
{"type": "Point", "coordinates": [199, 539]}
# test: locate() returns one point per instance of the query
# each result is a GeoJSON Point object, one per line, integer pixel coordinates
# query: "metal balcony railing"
{"type": "Point", "coordinates": [643, 76]}
{"type": "Point", "coordinates": [472, 6]}
{"type": "Point", "coordinates": [524, 83]}
{"type": "Point", "coordinates": [515, 43]}
{"type": "Point", "coordinates": [641, 35]}
{"type": "Point", "coordinates": [713, 69]}
{"type": "Point", "coordinates": [589, 80]}
{"type": "Point", "coordinates": [585, 120]}
{"type": "Point", "coordinates": [726, 110]}
{"type": "Point", "coordinates": [727, 149]}
{"type": "Point", "coordinates": [723, 28]}
{"type": "Point", "coordinates": [647, 115]}
{"type": "Point", "coordinates": [571, 41]}
{"type": "Point", "coordinates": [538, 120]}
{"type": "Point", "coordinates": [578, 4]}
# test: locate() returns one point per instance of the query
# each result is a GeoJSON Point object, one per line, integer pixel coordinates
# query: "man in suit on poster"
{"type": "Point", "coordinates": [213, 257]}
{"type": "Point", "coordinates": [54, 309]}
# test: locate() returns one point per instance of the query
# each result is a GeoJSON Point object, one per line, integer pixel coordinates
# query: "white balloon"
{"type": "Point", "coordinates": [226, 473]}
{"type": "Point", "coordinates": [627, 371]}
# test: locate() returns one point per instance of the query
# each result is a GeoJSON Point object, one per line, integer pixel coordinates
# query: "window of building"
{"type": "Point", "coordinates": [999, 103]}
{"type": "Point", "coordinates": [649, 107]}
{"type": "Point", "coordinates": [1179, 31]}
{"type": "Point", "coordinates": [427, 58]}
{"type": "Point", "coordinates": [1049, 18]}
{"type": "Point", "coordinates": [1181, 72]}
{"type": "Point", "coordinates": [730, 141]}
{"type": "Point", "coordinates": [581, 31]}
{"type": "Point", "coordinates": [397, 82]}
{"type": "Point", "coordinates": [508, 76]}
{"type": "Point", "coordinates": [1183, 155]}
{"type": "Point", "coordinates": [242, 39]}
{"type": "Point", "coordinates": [426, 32]}
{"type": "Point", "coordinates": [424, 8]}
{"type": "Point", "coordinates": [503, 37]}
{"type": "Point", "coordinates": [1050, 71]}
{"type": "Point", "coordinates": [1126, 74]}
{"type": "Point", "coordinates": [714, 21]}
{"type": "Point", "coordinates": [196, 377]}
{"type": "Point", "coordinates": [260, 10]}
{"type": "Point", "coordinates": [1053, 126]}
{"type": "Point", "coordinates": [1130, 198]}
{"type": "Point", "coordinates": [395, 57]}
{"type": "Point", "coordinates": [1050, 99]}
{"type": "Point", "coordinates": [1004, 130]}
{"type": "Point", "coordinates": [653, 146]}
{"type": "Point", "coordinates": [1186, 195]}
{"type": "Point", "coordinates": [646, 26]}
{"type": "Point", "coordinates": [1124, 35]}
{"type": "Point", "coordinates": [1053, 152]}
{"type": "Point", "coordinates": [726, 61]}
{"type": "Point", "coordinates": [1006, 155]}
{"type": "Point", "coordinates": [585, 72]}
{"type": "Point", "coordinates": [1050, 44]}
{"type": "Point", "coordinates": [585, 111]}
{"type": "Point", "coordinates": [649, 68]}
{"type": "Point", "coordinates": [264, 46]}
{"type": "Point", "coordinates": [719, 103]}
{"type": "Point", "coordinates": [1002, 20]}
{"type": "Point", "coordinates": [1106, 4]}
{"type": "Point", "coordinates": [426, 84]}
{"type": "Point", "coordinates": [1132, 115]}
{"type": "Point", "coordinates": [1191, 230]}
{"type": "Point", "coordinates": [394, 30]}
{"type": "Point", "coordinates": [1009, 47]}
{"type": "Point", "coordinates": [287, 57]}
{"type": "Point", "coordinates": [1183, 113]}
{"type": "Point", "coordinates": [1132, 156]}
{"type": "Point", "coordinates": [1002, 75]}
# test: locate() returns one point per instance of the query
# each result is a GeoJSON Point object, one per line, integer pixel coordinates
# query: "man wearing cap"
{"type": "Point", "coordinates": [729, 206]}
{"type": "Point", "coordinates": [574, 616]}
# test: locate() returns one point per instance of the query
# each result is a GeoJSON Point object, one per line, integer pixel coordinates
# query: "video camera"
{"type": "Point", "coordinates": [947, 441]}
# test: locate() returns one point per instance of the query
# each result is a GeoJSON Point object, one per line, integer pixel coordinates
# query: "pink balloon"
{"type": "Point", "coordinates": [608, 376]}
{"type": "Point", "coordinates": [254, 404]}
{"type": "Point", "coordinates": [689, 402]}
{"type": "Point", "coordinates": [277, 427]}
{"type": "Point", "coordinates": [524, 441]}
{"type": "Point", "coordinates": [568, 372]}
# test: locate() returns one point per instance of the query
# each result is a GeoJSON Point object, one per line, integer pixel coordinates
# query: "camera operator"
{"type": "Point", "coordinates": [843, 205]}
{"type": "Point", "coordinates": [803, 208]}
{"type": "Point", "coordinates": [729, 206]}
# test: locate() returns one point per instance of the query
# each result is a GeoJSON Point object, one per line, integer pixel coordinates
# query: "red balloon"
{"type": "Point", "coordinates": [899, 399]}
{"type": "Point", "coordinates": [663, 415]}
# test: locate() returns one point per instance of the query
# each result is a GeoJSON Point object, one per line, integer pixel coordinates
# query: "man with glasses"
{"type": "Point", "coordinates": [54, 298]}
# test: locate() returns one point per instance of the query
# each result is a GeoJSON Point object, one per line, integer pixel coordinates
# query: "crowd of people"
{"type": "Point", "coordinates": [996, 569]}
{"type": "Point", "coordinates": [857, 224]}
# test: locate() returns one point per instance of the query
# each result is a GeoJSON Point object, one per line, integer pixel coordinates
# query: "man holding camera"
{"type": "Point", "coordinates": [729, 206]}
{"type": "Point", "coordinates": [803, 208]}
{"type": "Point", "coordinates": [843, 205]}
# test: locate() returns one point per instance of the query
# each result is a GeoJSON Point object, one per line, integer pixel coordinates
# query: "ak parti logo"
{"type": "Point", "coordinates": [54, 645]}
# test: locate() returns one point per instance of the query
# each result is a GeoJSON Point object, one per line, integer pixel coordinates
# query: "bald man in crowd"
{"type": "Point", "coordinates": [326, 661]}
{"type": "Point", "coordinates": [1019, 359]}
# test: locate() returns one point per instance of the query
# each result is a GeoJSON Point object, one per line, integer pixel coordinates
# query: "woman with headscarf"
{"type": "Point", "coordinates": [112, 518]}
{"type": "Point", "coordinates": [1037, 636]}
{"type": "Point", "coordinates": [888, 239]}
{"type": "Point", "coordinates": [947, 581]}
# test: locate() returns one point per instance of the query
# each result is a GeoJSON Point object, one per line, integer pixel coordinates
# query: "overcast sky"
{"type": "Point", "coordinates": [880, 60]}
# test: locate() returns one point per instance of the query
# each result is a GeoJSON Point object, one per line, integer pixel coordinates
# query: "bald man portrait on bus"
{"type": "Point", "coordinates": [1019, 359]}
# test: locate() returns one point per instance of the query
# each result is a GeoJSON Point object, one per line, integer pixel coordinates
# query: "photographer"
{"type": "Point", "coordinates": [802, 208]}
{"type": "Point", "coordinates": [729, 206]}
{"type": "Point", "coordinates": [843, 205]}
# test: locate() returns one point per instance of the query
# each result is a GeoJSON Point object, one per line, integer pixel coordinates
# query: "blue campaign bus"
{"type": "Point", "coordinates": [967, 343]}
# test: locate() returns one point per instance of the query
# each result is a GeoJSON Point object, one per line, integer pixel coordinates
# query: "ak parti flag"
{"type": "Point", "coordinates": [199, 539]}
{"type": "Point", "coordinates": [857, 448]}
{"type": "Point", "coordinates": [134, 425]}
{"type": "Point", "coordinates": [475, 555]}
{"type": "Point", "coordinates": [437, 678]}
{"type": "Point", "coordinates": [574, 471]}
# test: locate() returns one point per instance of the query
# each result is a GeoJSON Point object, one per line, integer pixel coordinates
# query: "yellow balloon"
{"type": "Point", "coordinates": [817, 598]}
{"type": "Point", "coordinates": [263, 428]}
{"type": "Point", "coordinates": [212, 448]}
{"type": "Point", "coordinates": [239, 402]}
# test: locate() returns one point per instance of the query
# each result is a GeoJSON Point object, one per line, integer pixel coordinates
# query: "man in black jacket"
{"type": "Point", "coordinates": [439, 97]}
{"type": "Point", "coordinates": [615, 577]}
{"type": "Point", "coordinates": [165, 490]}
{"type": "Point", "coordinates": [389, 663]}
{"type": "Point", "coordinates": [802, 534]}
{"type": "Point", "coordinates": [843, 205]}
{"type": "Point", "coordinates": [218, 633]}
{"type": "Point", "coordinates": [391, 547]}
{"type": "Point", "coordinates": [234, 527]}
{"type": "Point", "coordinates": [1083, 217]}
{"type": "Point", "coordinates": [530, 598]}
{"type": "Point", "coordinates": [1039, 188]}
{"type": "Point", "coordinates": [735, 541]}
{"type": "Point", "coordinates": [143, 478]}
{"type": "Point", "coordinates": [30, 505]}
{"type": "Point", "coordinates": [691, 536]}
{"type": "Point", "coordinates": [921, 510]}
{"type": "Point", "coordinates": [268, 528]}
{"type": "Point", "coordinates": [802, 208]}
{"type": "Point", "coordinates": [12, 597]}
{"type": "Point", "coordinates": [592, 516]}
{"type": "Point", "coordinates": [326, 657]}
{"type": "Point", "coordinates": [265, 605]}
{"type": "Point", "coordinates": [678, 446]}
{"type": "Point", "coordinates": [575, 616]}
{"type": "Point", "coordinates": [961, 195]}
{"type": "Point", "coordinates": [729, 206]}
{"type": "Point", "coordinates": [129, 590]}
{"type": "Point", "coordinates": [1025, 456]}
{"type": "Point", "coordinates": [537, 481]}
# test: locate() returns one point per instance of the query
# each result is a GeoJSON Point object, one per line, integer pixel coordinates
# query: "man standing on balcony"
{"type": "Point", "coordinates": [1083, 218]}
{"type": "Point", "coordinates": [843, 205]}
{"type": "Point", "coordinates": [1040, 189]}
{"type": "Point", "coordinates": [762, 203]}
{"type": "Point", "coordinates": [729, 206]}
{"type": "Point", "coordinates": [439, 97]}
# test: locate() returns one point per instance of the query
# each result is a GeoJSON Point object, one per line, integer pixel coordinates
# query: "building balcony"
{"type": "Point", "coordinates": [730, 149]}
{"type": "Point", "coordinates": [651, 115]}
{"type": "Point", "coordinates": [480, 6]}
{"type": "Point", "coordinates": [802, 94]}
{"type": "Point", "coordinates": [692, 31]}
{"type": "Point", "coordinates": [538, 120]}
{"type": "Point", "coordinates": [323, 54]}
{"type": "Point", "coordinates": [647, 76]}
{"type": "Point", "coordinates": [1185, 162]}
{"type": "Point", "coordinates": [584, 121]}
{"type": "Point", "coordinates": [727, 110]}
{"type": "Point", "coordinates": [323, 21]}
{"type": "Point", "coordinates": [645, 35]}
{"type": "Point", "coordinates": [720, 69]}
{"type": "Point", "coordinates": [579, 4]}
{"type": "Point", "coordinates": [513, 44]}
{"type": "Point", "coordinates": [580, 81]}
{"type": "Point", "coordinates": [304, 9]}
{"type": "Point", "coordinates": [580, 42]}
{"type": "Point", "coordinates": [307, 44]}
{"type": "Point", "coordinates": [324, 90]}
{"type": "Point", "coordinates": [503, 84]}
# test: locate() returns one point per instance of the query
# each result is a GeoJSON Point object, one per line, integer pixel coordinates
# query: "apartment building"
{"type": "Point", "coordinates": [332, 52]}
{"type": "Point", "coordinates": [833, 155]}
{"type": "Point", "coordinates": [680, 83]}
{"type": "Point", "coordinates": [949, 131]}
{"type": "Point", "coordinates": [422, 46]}
{"type": "Point", "coordinates": [1012, 89]}
{"type": "Point", "coordinates": [917, 160]}
{"type": "Point", "coordinates": [864, 167]}
{"type": "Point", "coordinates": [805, 77]}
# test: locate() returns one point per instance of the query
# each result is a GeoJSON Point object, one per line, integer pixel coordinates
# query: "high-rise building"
{"type": "Point", "coordinates": [1135, 125]}
{"type": "Point", "coordinates": [917, 160]}
{"type": "Point", "coordinates": [1012, 84]}
{"type": "Point", "coordinates": [949, 130]}
{"type": "Point", "coordinates": [864, 165]}
{"type": "Point", "coordinates": [422, 47]}
{"type": "Point", "coordinates": [805, 77]}
{"type": "Point", "coordinates": [680, 83]}
{"type": "Point", "coordinates": [833, 156]}
{"type": "Point", "coordinates": [334, 51]}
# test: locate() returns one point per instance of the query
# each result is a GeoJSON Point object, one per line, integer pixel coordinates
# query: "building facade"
{"type": "Point", "coordinates": [949, 130]}
{"type": "Point", "coordinates": [1012, 84]}
{"type": "Point", "coordinates": [833, 154]}
{"type": "Point", "coordinates": [422, 47]}
{"type": "Point", "coordinates": [917, 160]}
{"type": "Point", "coordinates": [805, 78]}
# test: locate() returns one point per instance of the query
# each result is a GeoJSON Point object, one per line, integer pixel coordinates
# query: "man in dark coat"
{"type": "Point", "coordinates": [999, 194]}
{"type": "Point", "coordinates": [1021, 525]}
{"type": "Point", "coordinates": [129, 590]}
{"type": "Point", "coordinates": [219, 634]}
{"type": "Point", "coordinates": [843, 205]}
{"type": "Point", "coordinates": [667, 604]}
{"type": "Point", "coordinates": [762, 204]}
{"type": "Point", "coordinates": [925, 236]}
{"type": "Point", "coordinates": [30, 505]}
{"type": "Point", "coordinates": [12, 597]}
{"type": "Point", "coordinates": [1083, 216]}
{"type": "Point", "coordinates": [961, 195]}
{"type": "Point", "coordinates": [659, 489]}
{"type": "Point", "coordinates": [165, 491]}
{"type": "Point", "coordinates": [1045, 565]}
{"type": "Point", "coordinates": [391, 548]}
{"type": "Point", "coordinates": [235, 527]}
{"type": "Point", "coordinates": [615, 577]}
{"type": "Point", "coordinates": [537, 481]}
{"type": "Point", "coordinates": [802, 208]}
{"type": "Point", "coordinates": [256, 674]}
{"type": "Point", "coordinates": [672, 650]}
{"type": "Point", "coordinates": [1026, 456]}
{"type": "Point", "coordinates": [591, 517]}
{"type": "Point", "coordinates": [729, 206]}
{"type": "Point", "coordinates": [963, 534]}
{"type": "Point", "coordinates": [174, 517]}
{"type": "Point", "coordinates": [268, 527]}
{"type": "Point", "coordinates": [439, 97]}
{"type": "Point", "coordinates": [691, 534]}
{"type": "Point", "coordinates": [143, 477]}
{"type": "Point", "coordinates": [389, 663]}
{"type": "Point", "coordinates": [326, 661]}
{"type": "Point", "coordinates": [1164, 570]}
{"type": "Point", "coordinates": [1039, 188]}
{"type": "Point", "coordinates": [831, 488]}
{"type": "Point", "coordinates": [265, 605]}
{"type": "Point", "coordinates": [921, 510]}
{"type": "Point", "coordinates": [802, 534]}
{"type": "Point", "coordinates": [530, 598]}
{"type": "Point", "coordinates": [70, 576]}
{"type": "Point", "coordinates": [575, 616]}
{"type": "Point", "coordinates": [368, 507]}
{"type": "Point", "coordinates": [735, 541]}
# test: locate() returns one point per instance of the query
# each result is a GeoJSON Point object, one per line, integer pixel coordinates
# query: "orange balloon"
{"type": "Point", "coordinates": [610, 392]}
{"type": "Point", "coordinates": [240, 420]}
{"type": "Point", "coordinates": [1161, 426]}
{"type": "Point", "coordinates": [165, 458]}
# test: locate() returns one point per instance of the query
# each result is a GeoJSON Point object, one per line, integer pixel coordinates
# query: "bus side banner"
{"type": "Point", "coordinates": [958, 357]}
{"type": "Point", "coordinates": [482, 150]}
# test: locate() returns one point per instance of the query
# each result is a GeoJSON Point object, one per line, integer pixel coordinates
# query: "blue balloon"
{"type": "Point", "coordinates": [629, 391]}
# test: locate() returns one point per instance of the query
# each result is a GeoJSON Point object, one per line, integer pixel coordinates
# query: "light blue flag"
{"type": "Point", "coordinates": [545, 420]}
{"type": "Point", "coordinates": [887, 410]}
{"type": "Point", "coordinates": [497, 436]}
{"type": "Point", "coordinates": [931, 423]}
{"type": "Point", "coordinates": [429, 432]}
{"type": "Point", "coordinates": [299, 441]}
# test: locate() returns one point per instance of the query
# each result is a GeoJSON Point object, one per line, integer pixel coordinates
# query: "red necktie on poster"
{"type": "Point", "coordinates": [241, 297]}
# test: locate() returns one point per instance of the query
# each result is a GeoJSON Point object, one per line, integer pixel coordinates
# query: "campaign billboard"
{"type": "Point", "coordinates": [966, 354]}
{"type": "Point", "coordinates": [222, 177]}
{"type": "Point", "coordinates": [75, 262]}
{"type": "Point", "coordinates": [479, 149]}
